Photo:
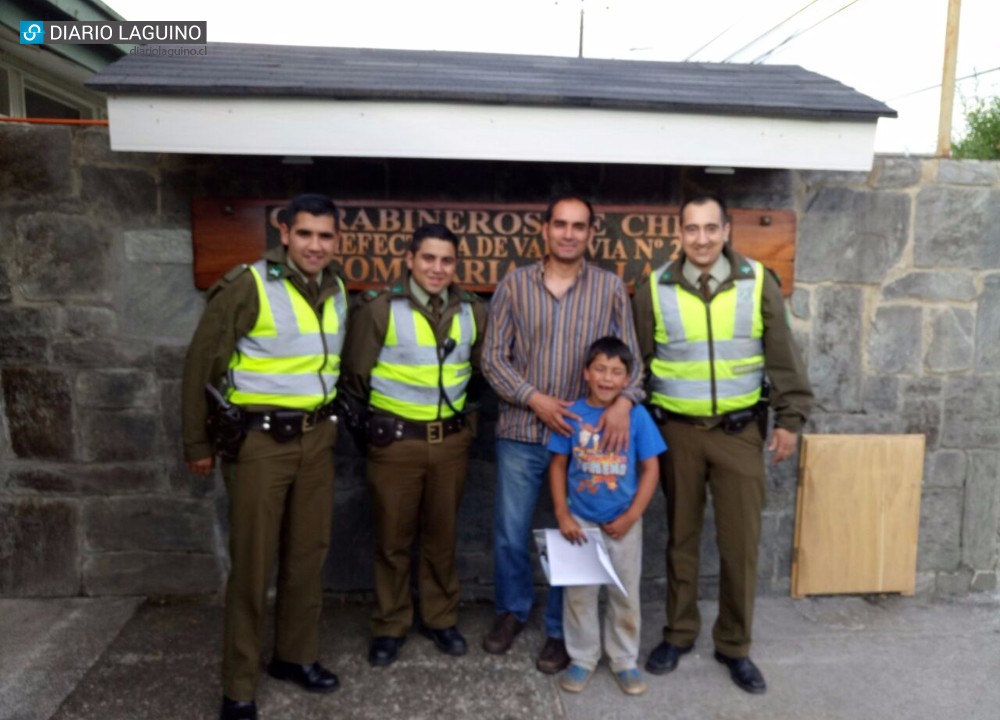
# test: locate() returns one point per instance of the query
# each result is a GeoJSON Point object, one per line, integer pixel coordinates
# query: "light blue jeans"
{"type": "Point", "coordinates": [522, 470]}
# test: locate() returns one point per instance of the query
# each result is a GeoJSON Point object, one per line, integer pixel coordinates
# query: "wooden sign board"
{"type": "Point", "coordinates": [858, 513]}
{"type": "Point", "coordinates": [629, 240]}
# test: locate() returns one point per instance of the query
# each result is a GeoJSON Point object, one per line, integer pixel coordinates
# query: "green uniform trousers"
{"type": "Point", "coordinates": [733, 467]}
{"type": "Point", "coordinates": [416, 484]}
{"type": "Point", "coordinates": [280, 504]}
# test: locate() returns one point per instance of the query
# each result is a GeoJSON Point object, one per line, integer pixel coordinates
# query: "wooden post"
{"type": "Point", "coordinates": [948, 79]}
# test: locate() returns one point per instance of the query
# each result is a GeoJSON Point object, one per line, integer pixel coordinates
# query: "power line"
{"type": "Point", "coordinates": [688, 58]}
{"type": "Point", "coordinates": [933, 87]}
{"type": "Point", "coordinates": [795, 35]}
{"type": "Point", "coordinates": [765, 33]}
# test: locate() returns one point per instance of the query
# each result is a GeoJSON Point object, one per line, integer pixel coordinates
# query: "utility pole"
{"type": "Point", "coordinates": [948, 78]}
{"type": "Point", "coordinates": [580, 52]}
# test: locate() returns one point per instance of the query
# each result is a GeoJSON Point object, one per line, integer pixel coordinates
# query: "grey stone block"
{"type": "Point", "coordinates": [951, 346]}
{"type": "Point", "coordinates": [39, 413]}
{"type": "Point", "coordinates": [62, 256]}
{"type": "Point", "coordinates": [939, 542]}
{"type": "Point", "coordinates": [897, 172]}
{"type": "Point", "coordinates": [880, 394]}
{"type": "Point", "coordinates": [833, 178]}
{"type": "Point", "coordinates": [954, 584]}
{"type": "Point", "coordinates": [148, 524]}
{"type": "Point", "coordinates": [159, 246]}
{"type": "Point", "coordinates": [957, 227]}
{"type": "Point", "coordinates": [967, 172]}
{"type": "Point", "coordinates": [124, 192]}
{"type": "Point", "coordinates": [799, 304]}
{"type": "Point", "coordinates": [38, 548]}
{"type": "Point", "coordinates": [90, 322]}
{"type": "Point", "coordinates": [923, 416]}
{"type": "Point", "coordinates": [19, 322]}
{"type": "Point", "coordinates": [922, 387]}
{"type": "Point", "coordinates": [988, 327]}
{"type": "Point", "coordinates": [116, 389]}
{"type": "Point", "coordinates": [945, 468]}
{"type": "Point", "coordinates": [970, 412]}
{"type": "Point", "coordinates": [851, 236]}
{"type": "Point", "coordinates": [983, 581]}
{"type": "Point", "coordinates": [144, 573]}
{"type": "Point", "coordinates": [895, 340]}
{"type": "Point", "coordinates": [835, 352]}
{"type": "Point", "coordinates": [109, 436]}
{"type": "Point", "coordinates": [34, 161]}
{"type": "Point", "coordinates": [5, 293]}
{"type": "Point", "coordinates": [99, 353]}
{"type": "Point", "coordinates": [113, 479]}
{"type": "Point", "coordinates": [169, 360]}
{"type": "Point", "coordinates": [982, 509]}
{"type": "Point", "coordinates": [944, 285]}
{"type": "Point", "coordinates": [92, 145]}
{"type": "Point", "coordinates": [162, 302]}
{"type": "Point", "coordinates": [858, 423]}
{"type": "Point", "coordinates": [23, 351]}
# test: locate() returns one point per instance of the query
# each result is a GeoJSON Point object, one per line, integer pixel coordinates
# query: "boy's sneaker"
{"type": "Point", "coordinates": [631, 681]}
{"type": "Point", "coordinates": [575, 678]}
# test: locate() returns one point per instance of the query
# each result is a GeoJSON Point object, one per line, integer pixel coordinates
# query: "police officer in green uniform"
{"type": "Point", "coordinates": [268, 350]}
{"type": "Point", "coordinates": [410, 353]}
{"type": "Point", "coordinates": [711, 325]}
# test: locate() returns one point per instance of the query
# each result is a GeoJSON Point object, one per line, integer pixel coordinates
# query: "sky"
{"type": "Point", "coordinates": [892, 50]}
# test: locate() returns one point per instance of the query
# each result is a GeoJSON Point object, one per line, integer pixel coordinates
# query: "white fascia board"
{"type": "Point", "coordinates": [332, 128]}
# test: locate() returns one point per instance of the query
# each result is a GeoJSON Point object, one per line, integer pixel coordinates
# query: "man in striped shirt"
{"type": "Point", "coordinates": [543, 317]}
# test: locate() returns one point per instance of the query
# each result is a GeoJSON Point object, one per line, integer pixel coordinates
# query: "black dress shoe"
{"type": "Point", "coordinates": [449, 640]}
{"type": "Point", "coordinates": [238, 709]}
{"type": "Point", "coordinates": [384, 650]}
{"type": "Point", "coordinates": [665, 657]}
{"type": "Point", "coordinates": [744, 673]}
{"type": "Point", "coordinates": [313, 677]}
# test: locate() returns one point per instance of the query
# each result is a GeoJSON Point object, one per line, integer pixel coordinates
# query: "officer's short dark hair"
{"type": "Point", "coordinates": [701, 199]}
{"type": "Point", "coordinates": [611, 347]}
{"type": "Point", "coordinates": [569, 196]}
{"type": "Point", "coordinates": [311, 203]}
{"type": "Point", "coordinates": [435, 231]}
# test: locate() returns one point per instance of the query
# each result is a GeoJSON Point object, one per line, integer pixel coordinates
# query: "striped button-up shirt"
{"type": "Point", "coordinates": [539, 343]}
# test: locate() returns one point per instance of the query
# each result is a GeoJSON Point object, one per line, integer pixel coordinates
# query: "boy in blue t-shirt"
{"type": "Point", "coordinates": [611, 491]}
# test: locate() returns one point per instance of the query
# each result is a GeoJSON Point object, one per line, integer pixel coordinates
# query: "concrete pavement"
{"type": "Point", "coordinates": [824, 659]}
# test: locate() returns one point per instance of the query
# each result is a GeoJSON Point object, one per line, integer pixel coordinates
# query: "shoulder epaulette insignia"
{"type": "Point", "coordinates": [371, 294]}
{"type": "Point", "coordinates": [470, 296]}
{"type": "Point", "coordinates": [397, 289]}
{"type": "Point", "coordinates": [274, 271]}
{"type": "Point", "coordinates": [235, 272]}
{"type": "Point", "coordinates": [666, 275]}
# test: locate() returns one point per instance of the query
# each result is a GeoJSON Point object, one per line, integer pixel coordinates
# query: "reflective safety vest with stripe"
{"type": "Point", "coordinates": [709, 357]}
{"type": "Point", "coordinates": [404, 381]}
{"type": "Point", "coordinates": [291, 356]}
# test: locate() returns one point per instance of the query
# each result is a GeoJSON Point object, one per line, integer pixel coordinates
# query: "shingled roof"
{"type": "Point", "coordinates": [245, 70]}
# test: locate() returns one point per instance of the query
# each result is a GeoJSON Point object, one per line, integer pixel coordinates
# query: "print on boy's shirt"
{"type": "Point", "coordinates": [599, 467]}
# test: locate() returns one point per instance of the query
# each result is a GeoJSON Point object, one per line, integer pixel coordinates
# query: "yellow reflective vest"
{"type": "Point", "coordinates": [709, 357]}
{"type": "Point", "coordinates": [291, 356]}
{"type": "Point", "coordinates": [404, 380]}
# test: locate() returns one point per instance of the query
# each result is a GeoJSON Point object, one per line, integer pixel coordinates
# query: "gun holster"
{"type": "Point", "coordinates": [226, 425]}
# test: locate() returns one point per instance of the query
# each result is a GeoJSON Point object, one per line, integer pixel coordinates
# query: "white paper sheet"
{"type": "Point", "coordinates": [567, 564]}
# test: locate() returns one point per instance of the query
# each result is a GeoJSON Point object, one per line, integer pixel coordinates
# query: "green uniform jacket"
{"type": "Point", "coordinates": [230, 314]}
{"type": "Point", "coordinates": [369, 322]}
{"type": "Point", "coordinates": [791, 395]}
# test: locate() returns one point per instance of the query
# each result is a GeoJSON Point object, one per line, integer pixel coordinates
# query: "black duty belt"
{"type": "Point", "coordinates": [731, 422]}
{"type": "Point", "coordinates": [287, 424]}
{"type": "Point", "coordinates": [385, 429]}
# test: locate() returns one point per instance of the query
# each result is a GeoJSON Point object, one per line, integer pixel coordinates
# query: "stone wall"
{"type": "Point", "coordinates": [897, 309]}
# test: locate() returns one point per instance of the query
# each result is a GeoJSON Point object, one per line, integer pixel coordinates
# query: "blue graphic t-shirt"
{"type": "Point", "coordinates": [602, 484]}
